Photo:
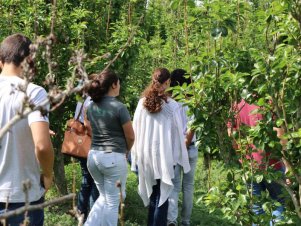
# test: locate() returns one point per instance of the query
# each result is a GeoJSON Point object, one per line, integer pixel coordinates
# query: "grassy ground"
{"type": "Point", "coordinates": [135, 212]}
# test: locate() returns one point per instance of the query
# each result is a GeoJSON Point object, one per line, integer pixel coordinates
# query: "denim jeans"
{"type": "Point", "coordinates": [157, 215]}
{"type": "Point", "coordinates": [36, 217]}
{"type": "Point", "coordinates": [186, 184]}
{"type": "Point", "coordinates": [106, 169]}
{"type": "Point", "coordinates": [129, 159]}
{"type": "Point", "coordinates": [275, 192]}
{"type": "Point", "coordinates": [88, 193]}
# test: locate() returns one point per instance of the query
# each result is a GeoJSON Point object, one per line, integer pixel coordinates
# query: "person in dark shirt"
{"type": "Point", "coordinates": [112, 137]}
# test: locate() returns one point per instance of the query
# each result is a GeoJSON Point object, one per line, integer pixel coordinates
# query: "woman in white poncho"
{"type": "Point", "coordinates": [158, 147]}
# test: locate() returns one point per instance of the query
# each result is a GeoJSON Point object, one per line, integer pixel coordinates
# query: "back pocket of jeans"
{"type": "Point", "coordinates": [108, 160]}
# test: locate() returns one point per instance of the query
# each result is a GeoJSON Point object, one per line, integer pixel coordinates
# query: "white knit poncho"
{"type": "Point", "coordinates": [159, 146]}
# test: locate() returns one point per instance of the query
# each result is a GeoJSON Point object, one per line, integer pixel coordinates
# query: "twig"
{"type": "Point", "coordinates": [121, 215]}
{"type": "Point", "coordinates": [79, 69]}
{"type": "Point", "coordinates": [56, 98]}
{"type": "Point", "coordinates": [108, 21]}
{"type": "Point", "coordinates": [76, 213]}
{"type": "Point", "coordinates": [187, 52]}
{"type": "Point", "coordinates": [79, 217]}
{"type": "Point", "coordinates": [125, 45]}
{"type": "Point", "coordinates": [26, 188]}
{"type": "Point", "coordinates": [36, 207]}
{"type": "Point", "coordinates": [53, 17]}
{"type": "Point", "coordinates": [292, 195]}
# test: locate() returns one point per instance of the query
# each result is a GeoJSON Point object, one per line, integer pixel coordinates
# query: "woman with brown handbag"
{"type": "Point", "coordinates": [88, 193]}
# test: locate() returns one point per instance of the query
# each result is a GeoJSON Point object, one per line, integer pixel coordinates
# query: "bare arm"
{"type": "Point", "coordinates": [189, 137]}
{"type": "Point", "coordinates": [283, 142]}
{"type": "Point", "coordinates": [280, 133]}
{"type": "Point", "coordinates": [43, 150]}
{"type": "Point", "coordinates": [87, 125]}
{"type": "Point", "coordinates": [229, 131]}
{"type": "Point", "coordinates": [129, 134]}
{"type": "Point", "coordinates": [230, 134]}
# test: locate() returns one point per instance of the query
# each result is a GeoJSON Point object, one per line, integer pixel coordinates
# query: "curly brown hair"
{"type": "Point", "coordinates": [155, 92]}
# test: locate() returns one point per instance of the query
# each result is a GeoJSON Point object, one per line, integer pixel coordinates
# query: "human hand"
{"type": "Point", "coordinates": [187, 143]}
{"type": "Point", "coordinates": [280, 132]}
{"type": "Point", "coordinates": [46, 181]}
{"type": "Point", "coordinates": [52, 133]}
{"type": "Point", "coordinates": [288, 181]}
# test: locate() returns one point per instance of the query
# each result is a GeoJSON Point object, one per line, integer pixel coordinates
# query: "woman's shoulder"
{"type": "Point", "coordinates": [171, 103]}
{"type": "Point", "coordinates": [141, 100]}
{"type": "Point", "coordinates": [118, 105]}
{"type": "Point", "coordinates": [169, 107]}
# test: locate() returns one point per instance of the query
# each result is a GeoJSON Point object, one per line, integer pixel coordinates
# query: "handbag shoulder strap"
{"type": "Point", "coordinates": [81, 109]}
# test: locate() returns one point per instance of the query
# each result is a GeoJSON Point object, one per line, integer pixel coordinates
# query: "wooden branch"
{"type": "Point", "coordinates": [108, 21]}
{"type": "Point", "coordinates": [36, 207]}
{"type": "Point", "coordinates": [121, 214]}
{"type": "Point", "coordinates": [129, 13]}
{"type": "Point", "coordinates": [292, 195]}
{"type": "Point", "coordinates": [79, 70]}
{"type": "Point", "coordinates": [79, 216]}
{"type": "Point", "coordinates": [299, 190]}
{"type": "Point", "coordinates": [41, 107]}
{"type": "Point", "coordinates": [283, 151]}
{"type": "Point", "coordinates": [125, 45]}
{"type": "Point", "coordinates": [53, 17]}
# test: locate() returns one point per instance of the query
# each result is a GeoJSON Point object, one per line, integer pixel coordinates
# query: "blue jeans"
{"type": "Point", "coordinates": [106, 169]}
{"type": "Point", "coordinates": [36, 217]}
{"type": "Point", "coordinates": [130, 162]}
{"type": "Point", "coordinates": [157, 215]}
{"type": "Point", "coordinates": [88, 193]}
{"type": "Point", "coordinates": [186, 184]}
{"type": "Point", "coordinates": [275, 192]}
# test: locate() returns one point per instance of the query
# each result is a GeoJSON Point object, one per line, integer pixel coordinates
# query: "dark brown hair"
{"type": "Point", "coordinates": [14, 49]}
{"type": "Point", "coordinates": [154, 94]}
{"type": "Point", "coordinates": [177, 78]}
{"type": "Point", "coordinates": [101, 84]}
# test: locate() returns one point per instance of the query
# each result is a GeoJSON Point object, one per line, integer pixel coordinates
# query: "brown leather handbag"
{"type": "Point", "coordinates": [77, 141]}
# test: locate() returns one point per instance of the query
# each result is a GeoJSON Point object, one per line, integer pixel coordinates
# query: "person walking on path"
{"type": "Point", "coordinates": [26, 152]}
{"type": "Point", "coordinates": [246, 115]}
{"type": "Point", "coordinates": [184, 181]}
{"type": "Point", "coordinates": [88, 193]}
{"type": "Point", "coordinates": [112, 138]}
{"type": "Point", "coordinates": [159, 146]}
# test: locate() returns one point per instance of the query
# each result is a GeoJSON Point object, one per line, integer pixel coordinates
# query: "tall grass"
{"type": "Point", "coordinates": [135, 212]}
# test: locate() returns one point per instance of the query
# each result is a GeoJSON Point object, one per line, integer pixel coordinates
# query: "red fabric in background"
{"type": "Point", "coordinates": [247, 116]}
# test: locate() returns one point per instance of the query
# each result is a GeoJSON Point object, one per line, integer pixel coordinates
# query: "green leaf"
{"type": "Point", "coordinates": [279, 122]}
{"type": "Point", "coordinates": [261, 102]}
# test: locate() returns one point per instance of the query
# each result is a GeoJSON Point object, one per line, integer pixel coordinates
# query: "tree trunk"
{"type": "Point", "coordinates": [59, 173]}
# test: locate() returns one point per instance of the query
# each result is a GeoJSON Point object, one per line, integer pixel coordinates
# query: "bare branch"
{"type": "Point", "coordinates": [79, 72]}
{"type": "Point", "coordinates": [121, 214]}
{"type": "Point", "coordinates": [36, 207]}
{"type": "Point", "coordinates": [125, 45]}
{"type": "Point", "coordinates": [292, 195]}
{"type": "Point", "coordinates": [53, 17]}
